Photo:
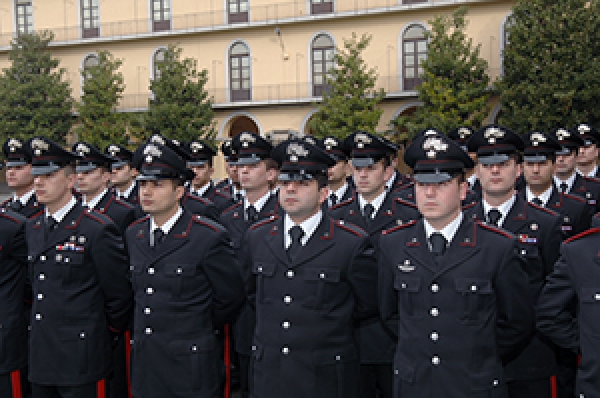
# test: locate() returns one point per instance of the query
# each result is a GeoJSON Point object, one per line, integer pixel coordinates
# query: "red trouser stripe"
{"type": "Point", "coordinates": [553, 387]}
{"type": "Point", "coordinates": [15, 379]}
{"type": "Point", "coordinates": [227, 357]}
{"type": "Point", "coordinates": [128, 361]}
{"type": "Point", "coordinates": [101, 389]}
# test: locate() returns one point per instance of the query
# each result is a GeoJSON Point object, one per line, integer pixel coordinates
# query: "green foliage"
{"type": "Point", "coordinates": [551, 65]}
{"type": "Point", "coordinates": [455, 84]}
{"type": "Point", "coordinates": [34, 97]}
{"type": "Point", "coordinates": [350, 104]}
{"type": "Point", "coordinates": [181, 108]}
{"type": "Point", "coordinates": [103, 86]}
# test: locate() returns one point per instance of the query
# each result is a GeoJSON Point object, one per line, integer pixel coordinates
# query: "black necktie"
{"type": "Point", "coordinates": [16, 205]}
{"type": "Point", "coordinates": [537, 201]}
{"type": "Point", "coordinates": [296, 233]}
{"type": "Point", "coordinates": [251, 214]}
{"type": "Point", "coordinates": [368, 212]}
{"type": "Point", "coordinates": [563, 187]}
{"type": "Point", "coordinates": [333, 198]}
{"type": "Point", "coordinates": [238, 196]}
{"type": "Point", "coordinates": [438, 243]}
{"type": "Point", "coordinates": [50, 225]}
{"type": "Point", "coordinates": [159, 235]}
{"type": "Point", "coordinates": [494, 216]}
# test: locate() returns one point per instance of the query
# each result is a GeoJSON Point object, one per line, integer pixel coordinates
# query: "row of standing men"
{"type": "Point", "coordinates": [313, 324]}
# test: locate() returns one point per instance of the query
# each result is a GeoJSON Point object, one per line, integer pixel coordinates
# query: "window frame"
{"type": "Point", "coordinates": [317, 90]}
{"type": "Point", "coordinates": [27, 7]}
{"type": "Point", "coordinates": [87, 8]}
{"type": "Point", "coordinates": [410, 83]}
{"type": "Point", "coordinates": [164, 11]}
{"type": "Point", "coordinates": [239, 94]}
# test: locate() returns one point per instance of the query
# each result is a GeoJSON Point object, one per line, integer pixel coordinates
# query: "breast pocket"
{"type": "Point", "coordinates": [72, 265]}
{"type": "Point", "coordinates": [589, 313]}
{"type": "Point", "coordinates": [325, 281]}
{"type": "Point", "coordinates": [476, 297]}
{"type": "Point", "coordinates": [263, 271]}
{"type": "Point", "coordinates": [534, 265]}
{"type": "Point", "coordinates": [180, 277]}
{"type": "Point", "coordinates": [408, 288]}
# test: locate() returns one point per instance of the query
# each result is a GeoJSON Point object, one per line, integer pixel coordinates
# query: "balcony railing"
{"type": "Point", "coordinates": [216, 18]}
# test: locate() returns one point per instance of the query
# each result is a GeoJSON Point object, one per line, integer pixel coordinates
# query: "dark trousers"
{"type": "Point", "coordinates": [376, 380]}
{"type": "Point", "coordinates": [538, 388]}
{"type": "Point", "coordinates": [244, 361]}
{"type": "Point", "coordinates": [91, 390]}
{"type": "Point", "coordinates": [566, 373]}
{"type": "Point", "coordinates": [14, 384]}
{"type": "Point", "coordinates": [119, 382]}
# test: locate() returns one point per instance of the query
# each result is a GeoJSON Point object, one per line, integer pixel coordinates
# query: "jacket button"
{"type": "Point", "coordinates": [194, 348]}
{"type": "Point", "coordinates": [147, 310]}
{"type": "Point", "coordinates": [40, 296]}
{"type": "Point", "coordinates": [597, 296]}
{"type": "Point", "coordinates": [435, 360]}
{"type": "Point", "coordinates": [322, 275]}
{"type": "Point", "coordinates": [38, 317]}
{"type": "Point", "coordinates": [285, 350]}
{"type": "Point", "coordinates": [151, 271]}
{"type": "Point", "coordinates": [495, 383]}
{"type": "Point", "coordinates": [290, 274]}
{"type": "Point", "coordinates": [42, 277]}
{"type": "Point", "coordinates": [179, 271]}
{"type": "Point", "coordinates": [434, 312]}
{"type": "Point", "coordinates": [434, 336]}
{"type": "Point", "coordinates": [287, 299]}
{"type": "Point", "coordinates": [148, 330]}
{"type": "Point", "coordinates": [82, 335]}
{"type": "Point", "coordinates": [473, 288]}
{"type": "Point", "coordinates": [435, 288]}
{"type": "Point", "coordinates": [259, 269]}
{"type": "Point", "coordinates": [149, 290]}
{"type": "Point", "coordinates": [42, 258]}
{"type": "Point", "coordinates": [286, 325]}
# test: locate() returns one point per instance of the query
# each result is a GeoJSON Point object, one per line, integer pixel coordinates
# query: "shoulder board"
{"type": "Point", "coordinates": [145, 218]}
{"type": "Point", "coordinates": [470, 205]}
{"type": "Point", "coordinates": [577, 198]}
{"type": "Point", "coordinates": [404, 185]}
{"type": "Point", "coordinates": [591, 231]}
{"type": "Point", "coordinates": [96, 216]}
{"type": "Point", "coordinates": [543, 209]}
{"type": "Point", "coordinates": [208, 223]}
{"type": "Point", "coordinates": [591, 179]}
{"type": "Point", "coordinates": [232, 207]}
{"type": "Point", "coordinates": [198, 199]}
{"type": "Point", "coordinates": [355, 229]}
{"type": "Point", "coordinates": [221, 193]}
{"type": "Point", "coordinates": [341, 204]}
{"type": "Point", "coordinates": [398, 227]}
{"type": "Point", "coordinates": [11, 215]}
{"type": "Point", "coordinates": [264, 222]}
{"type": "Point", "coordinates": [406, 203]}
{"type": "Point", "coordinates": [122, 203]}
{"type": "Point", "coordinates": [494, 229]}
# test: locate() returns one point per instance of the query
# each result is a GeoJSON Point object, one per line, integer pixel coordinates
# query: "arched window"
{"type": "Point", "coordinates": [414, 47]}
{"type": "Point", "coordinates": [90, 18]}
{"type": "Point", "coordinates": [237, 11]}
{"type": "Point", "coordinates": [24, 10]}
{"type": "Point", "coordinates": [322, 51]}
{"type": "Point", "coordinates": [157, 59]}
{"type": "Point", "coordinates": [240, 82]}
{"type": "Point", "coordinates": [88, 62]}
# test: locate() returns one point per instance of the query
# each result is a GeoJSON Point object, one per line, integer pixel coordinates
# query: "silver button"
{"type": "Point", "coordinates": [285, 350]}
{"type": "Point", "coordinates": [495, 382]}
{"type": "Point", "coordinates": [473, 288]}
{"type": "Point", "coordinates": [67, 259]}
{"type": "Point", "coordinates": [43, 258]}
{"type": "Point", "coordinates": [403, 285]}
{"type": "Point", "coordinates": [434, 312]}
{"type": "Point", "coordinates": [435, 288]}
{"type": "Point", "coordinates": [523, 252]}
{"type": "Point", "coordinates": [147, 310]}
{"type": "Point", "coordinates": [286, 325]}
{"type": "Point", "coordinates": [434, 336]}
{"type": "Point", "coordinates": [58, 257]}
{"type": "Point", "coordinates": [194, 348]}
{"type": "Point", "coordinates": [42, 277]}
{"type": "Point", "coordinates": [151, 271]}
{"type": "Point", "coordinates": [290, 274]}
{"type": "Point", "coordinates": [40, 296]}
{"type": "Point", "coordinates": [597, 296]}
{"type": "Point", "coordinates": [179, 271]}
{"type": "Point", "coordinates": [148, 330]}
{"type": "Point", "coordinates": [435, 360]}
{"type": "Point", "coordinates": [82, 335]}
{"type": "Point", "coordinates": [259, 269]}
{"type": "Point", "coordinates": [338, 358]}
{"type": "Point", "coordinates": [149, 290]}
{"type": "Point", "coordinates": [287, 299]}
{"type": "Point", "coordinates": [322, 275]}
{"type": "Point", "coordinates": [38, 317]}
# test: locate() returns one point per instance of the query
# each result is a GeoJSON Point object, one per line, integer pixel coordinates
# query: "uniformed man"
{"type": "Point", "coordinates": [13, 315]}
{"type": "Point", "coordinates": [575, 280]}
{"type": "Point", "coordinates": [311, 278]}
{"type": "Point", "coordinates": [255, 170]}
{"type": "Point", "coordinates": [539, 166]}
{"type": "Point", "coordinates": [231, 184]}
{"type": "Point", "coordinates": [566, 178]}
{"type": "Point", "coordinates": [373, 208]}
{"type": "Point", "coordinates": [200, 160]}
{"type": "Point", "coordinates": [82, 297]}
{"type": "Point", "coordinates": [539, 237]}
{"type": "Point", "coordinates": [397, 180]}
{"type": "Point", "coordinates": [587, 156]}
{"type": "Point", "coordinates": [19, 179]}
{"type": "Point", "coordinates": [453, 289]}
{"type": "Point", "coordinates": [461, 136]}
{"type": "Point", "coordinates": [186, 284]}
{"type": "Point", "coordinates": [123, 174]}
{"type": "Point", "coordinates": [339, 189]}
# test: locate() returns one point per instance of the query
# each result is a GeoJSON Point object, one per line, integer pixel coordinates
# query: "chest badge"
{"type": "Point", "coordinates": [406, 267]}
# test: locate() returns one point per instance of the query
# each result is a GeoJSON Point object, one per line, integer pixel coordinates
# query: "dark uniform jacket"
{"type": "Point", "coordinates": [233, 219]}
{"type": "Point", "coordinates": [13, 269]}
{"type": "Point", "coordinates": [376, 344]}
{"type": "Point", "coordinates": [588, 189]}
{"type": "Point", "coordinates": [458, 319]}
{"type": "Point", "coordinates": [120, 212]}
{"type": "Point", "coordinates": [31, 209]}
{"type": "Point", "coordinates": [80, 291]}
{"type": "Point", "coordinates": [220, 197]}
{"type": "Point", "coordinates": [538, 231]}
{"type": "Point", "coordinates": [199, 206]}
{"type": "Point", "coordinates": [576, 278]}
{"type": "Point", "coordinates": [184, 288]}
{"type": "Point", "coordinates": [304, 341]}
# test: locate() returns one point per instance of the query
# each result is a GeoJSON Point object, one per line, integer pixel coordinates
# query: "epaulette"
{"type": "Point", "coordinates": [590, 231]}
{"type": "Point", "coordinates": [96, 216]}
{"type": "Point", "coordinates": [575, 197]}
{"type": "Point", "coordinates": [592, 179]}
{"type": "Point", "coordinates": [344, 203]}
{"type": "Point", "coordinates": [406, 203]}
{"type": "Point", "coordinates": [145, 218]}
{"type": "Point", "coordinates": [122, 203]}
{"type": "Point", "coordinates": [199, 199]}
{"type": "Point", "coordinates": [14, 217]}
{"type": "Point", "coordinates": [494, 229]}
{"type": "Point", "coordinates": [355, 229]}
{"type": "Point", "coordinates": [398, 227]}
{"type": "Point", "coordinates": [232, 207]}
{"type": "Point", "coordinates": [222, 193]}
{"type": "Point", "coordinates": [264, 222]}
{"type": "Point", "coordinates": [470, 205]}
{"type": "Point", "coordinates": [404, 186]}
{"type": "Point", "coordinates": [553, 213]}
{"type": "Point", "coordinates": [208, 223]}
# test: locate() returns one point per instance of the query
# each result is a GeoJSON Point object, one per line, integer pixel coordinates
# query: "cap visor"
{"type": "Point", "coordinates": [432, 178]}
{"type": "Point", "coordinates": [43, 170]}
{"type": "Point", "coordinates": [85, 168]}
{"type": "Point", "coordinates": [564, 151]}
{"type": "Point", "coordinates": [294, 176]}
{"type": "Point", "coordinates": [493, 159]}
{"type": "Point", "coordinates": [195, 163]}
{"type": "Point", "coordinates": [116, 165]}
{"type": "Point", "coordinates": [15, 163]}
{"type": "Point", "coordinates": [244, 161]}
{"type": "Point", "coordinates": [362, 162]}
{"type": "Point", "coordinates": [535, 158]}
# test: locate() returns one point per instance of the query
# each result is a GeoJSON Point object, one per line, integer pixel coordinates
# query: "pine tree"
{"type": "Point", "coordinates": [35, 99]}
{"type": "Point", "coordinates": [455, 85]}
{"type": "Point", "coordinates": [350, 103]}
{"type": "Point", "coordinates": [551, 65]}
{"type": "Point", "coordinates": [181, 108]}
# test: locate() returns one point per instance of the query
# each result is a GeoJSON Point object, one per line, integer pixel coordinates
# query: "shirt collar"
{"type": "Point", "coordinates": [570, 181]}
{"type": "Point", "coordinates": [389, 184]}
{"type": "Point", "coordinates": [448, 231]}
{"type": "Point", "coordinates": [25, 198]}
{"type": "Point", "coordinates": [94, 202]}
{"type": "Point", "coordinates": [341, 192]}
{"type": "Point", "coordinates": [472, 180]}
{"type": "Point", "coordinates": [166, 227]}
{"type": "Point", "coordinates": [591, 173]}
{"type": "Point", "coordinates": [203, 189]}
{"type": "Point", "coordinates": [504, 208]}
{"type": "Point", "coordinates": [544, 197]}
{"type": "Point", "coordinates": [63, 211]}
{"type": "Point", "coordinates": [128, 191]}
{"type": "Point", "coordinates": [377, 202]}
{"type": "Point", "coordinates": [309, 226]}
{"type": "Point", "coordinates": [259, 204]}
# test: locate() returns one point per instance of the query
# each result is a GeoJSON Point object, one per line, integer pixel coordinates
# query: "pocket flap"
{"type": "Point", "coordinates": [322, 274]}
{"type": "Point", "coordinates": [257, 351]}
{"type": "Point", "coordinates": [261, 268]}
{"type": "Point", "coordinates": [589, 295]}
{"type": "Point", "coordinates": [332, 356]}
{"type": "Point", "coordinates": [190, 346]}
{"type": "Point", "coordinates": [486, 380]}
{"type": "Point", "coordinates": [407, 283]}
{"type": "Point", "coordinates": [405, 372]}
{"type": "Point", "coordinates": [473, 285]}
{"type": "Point", "coordinates": [180, 269]}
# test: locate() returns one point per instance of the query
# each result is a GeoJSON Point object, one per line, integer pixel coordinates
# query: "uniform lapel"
{"type": "Point", "coordinates": [384, 216]}
{"type": "Point", "coordinates": [461, 248]}
{"type": "Point", "coordinates": [176, 237]}
{"type": "Point", "coordinates": [275, 242]}
{"type": "Point", "coordinates": [320, 241]}
{"type": "Point", "coordinates": [354, 215]}
{"type": "Point", "coordinates": [417, 249]}
{"type": "Point", "coordinates": [142, 239]}
{"type": "Point", "coordinates": [516, 219]}
{"type": "Point", "coordinates": [65, 229]}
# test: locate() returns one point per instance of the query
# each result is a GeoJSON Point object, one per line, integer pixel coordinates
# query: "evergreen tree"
{"type": "Point", "coordinates": [35, 99]}
{"type": "Point", "coordinates": [455, 84]}
{"type": "Point", "coordinates": [350, 103]}
{"type": "Point", "coordinates": [181, 108]}
{"type": "Point", "coordinates": [551, 65]}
